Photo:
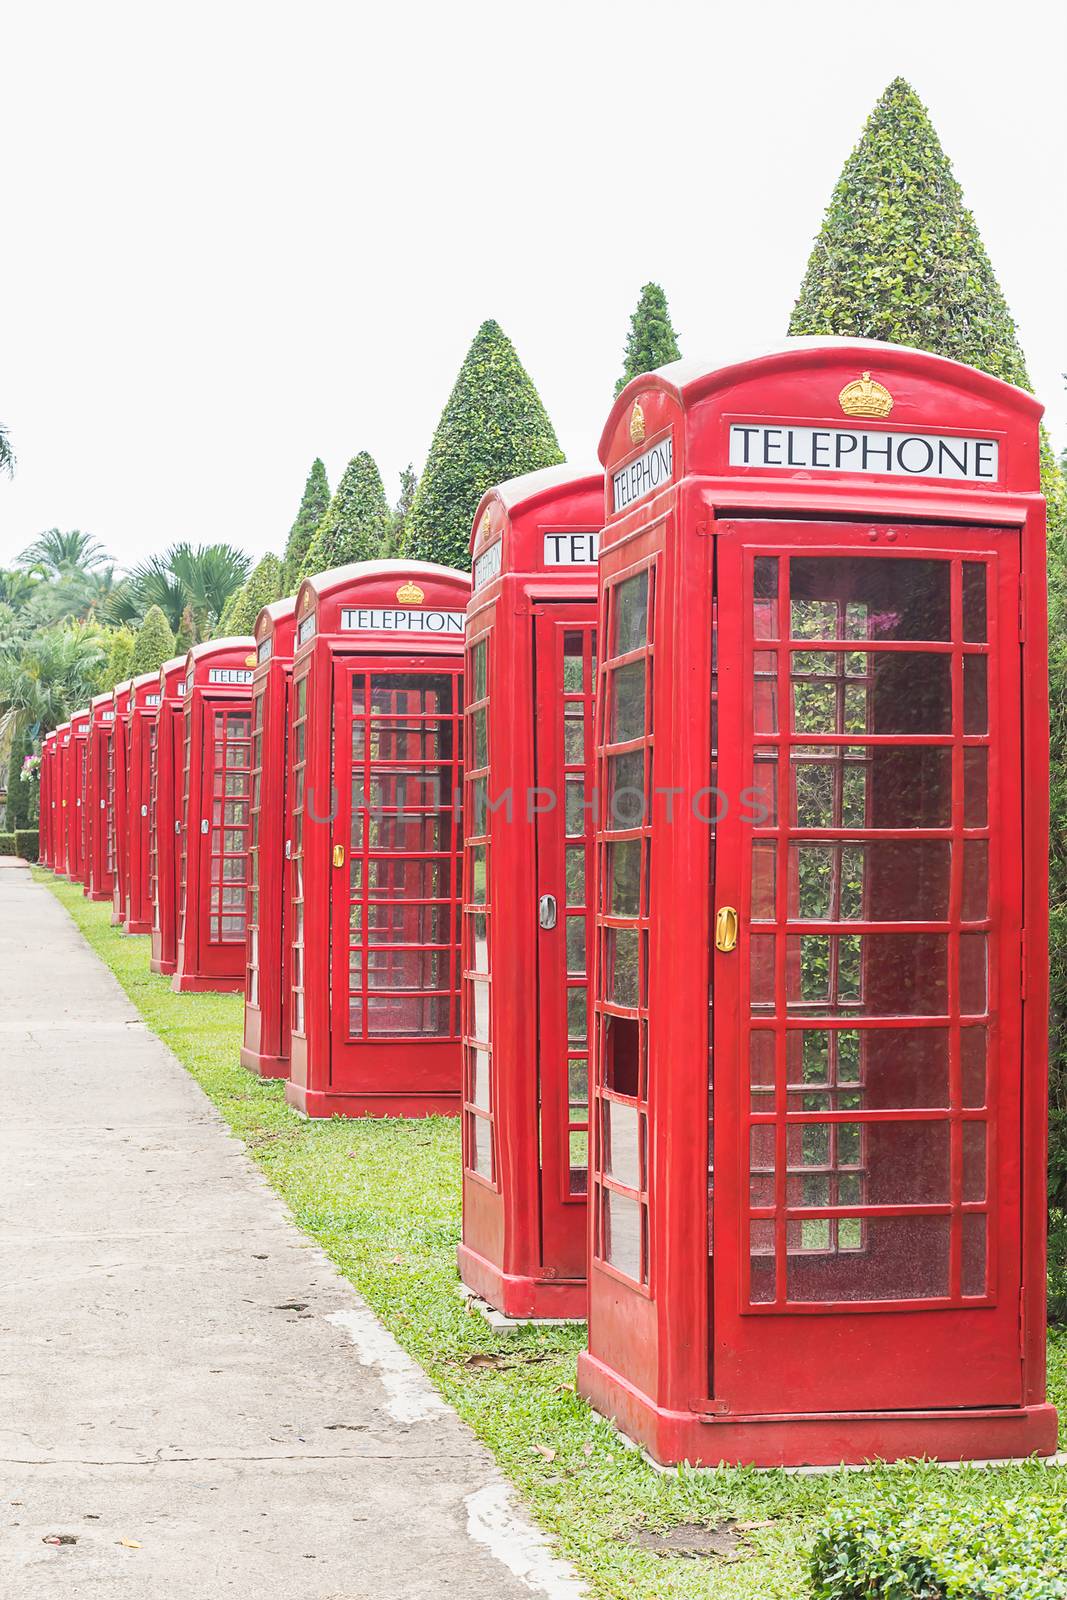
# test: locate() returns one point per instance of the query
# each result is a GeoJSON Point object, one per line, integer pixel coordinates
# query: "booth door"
{"type": "Point", "coordinates": [866, 1061]}
{"type": "Point", "coordinates": [227, 778]}
{"type": "Point", "coordinates": [396, 887]}
{"type": "Point", "coordinates": [565, 648]}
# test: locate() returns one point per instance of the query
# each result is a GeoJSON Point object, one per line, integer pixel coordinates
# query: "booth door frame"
{"type": "Point", "coordinates": [220, 957]}
{"type": "Point", "coordinates": [808, 1356]}
{"type": "Point", "coordinates": [368, 1064]}
{"type": "Point", "coordinates": [564, 1120]}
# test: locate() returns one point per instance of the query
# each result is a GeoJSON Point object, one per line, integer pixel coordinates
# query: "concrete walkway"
{"type": "Point", "coordinates": [180, 1369]}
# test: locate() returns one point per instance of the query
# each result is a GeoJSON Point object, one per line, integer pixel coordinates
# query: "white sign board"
{"type": "Point", "coordinates": [571, 549]}
{"type": "Point", "coordinates": [229, 675]}
{"type": "Point", "coordinates": [488, 563]}
{"type": "Point", "coordinates": [867, 450]}
{"type": "Point", "coordinates": [645, 475]}
{"type": "Point", "coordinates": [367, 619]}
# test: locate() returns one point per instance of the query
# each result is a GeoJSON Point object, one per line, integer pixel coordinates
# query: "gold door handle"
{"type": "Point", "coordinates": [338, 855]}
{"type": "Point", "coordinates": [725, 928]}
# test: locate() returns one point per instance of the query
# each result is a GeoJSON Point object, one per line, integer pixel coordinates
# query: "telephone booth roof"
{"type": "Point", "coordinates": [221, 664]}
{"type": "Point", "coordinates": [171, 678]}
{"type": "Point", "coordinates": [79, 722]}
{"type": "Point", "coordinates": [840, 414]}
{"type": "Point", "coordinates": [375, 604]}
{"type": "Point", "coordinates": [508, 533]}
{"type": "Point", "coordinates": [121, 692]}
{"type": "Point", "coordinates": [276, 622]}
{"type": "Point", "coordinates": [64, 728]}
{"type": "Point", "coordinates": [143, 688]}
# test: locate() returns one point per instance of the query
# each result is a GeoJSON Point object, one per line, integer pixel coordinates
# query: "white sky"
{"type": "Point", "coordinates": [237, 236]}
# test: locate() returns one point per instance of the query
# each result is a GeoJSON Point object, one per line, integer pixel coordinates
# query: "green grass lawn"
{"type": "Point", "coordinates": [383, 1199]}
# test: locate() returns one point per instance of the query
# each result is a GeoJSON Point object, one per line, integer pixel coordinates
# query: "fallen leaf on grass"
{"type": "Point", "coordinates": [130, 1544]}
{"type": "Point", "coordinates": [588, 1447]}
{"type": "Point", "coordinates": [544, 1451]}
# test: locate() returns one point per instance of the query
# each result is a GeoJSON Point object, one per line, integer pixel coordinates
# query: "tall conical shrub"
{"type": "Point", "coordinates": [356, 524]}
{"type": "Point", "coordinates": [493, 427]}
{"type": "Point", "coordinates": [899, 257]}
{"type": "Point", "coordinates": [312, 510]}
{"type": "Point", "coordinates": [651, 342]}
{"type": "Point", "coordinates": [258, 590]}
{"type": "Point", "coordinates": [154, 644]}
{"type": "Point", "coordinates": [119, 664]}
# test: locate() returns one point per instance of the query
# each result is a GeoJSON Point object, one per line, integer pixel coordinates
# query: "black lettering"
{"type": "Point", "coordinates": [820, 441]}
{"type": "Point", "coordinates": [840, 443]}
{"type": "Point", "coordinates": [770, 443]}
{"type": "Point", "coordinates": [924, 444]}
{"type": "Point", "coordinates": [870, 449]}
{"type": "Point", "coordinates": [944, 448]}
{"type": "Point", "coordinates": [790, 440]}
{"type": "Point", "coordinates": [985, 458]}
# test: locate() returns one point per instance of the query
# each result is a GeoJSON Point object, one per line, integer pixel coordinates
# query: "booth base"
{"type": "Point", "coordinates": [264, 1066]}
{"type": "Point", "coordinates": [132, 925]}
{"type": "Point", "coordinates": [164, 968]}
{"type": "Point", "coordinates": [191, 983]}
{"type": "Point", "coordinates": [522, 1297]}
{"type": "Point", "coordinates": [323, 1103]}
{"type": "Point", "coordinates": [816, 1440]}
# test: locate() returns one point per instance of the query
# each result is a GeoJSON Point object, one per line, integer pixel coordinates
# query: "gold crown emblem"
{"type": "Point", "coordinates": [484, 524]}
{"type": "Point", "coordinates": [864, 397]}
{"type": "Point", "coordinates": [409, 594]}
{"type": "Point", "coordinates": [306, 602]}
{"type": "Point", "coordinates": [250, 661]}
{"type": "Point", "coordinates": [637, 423]}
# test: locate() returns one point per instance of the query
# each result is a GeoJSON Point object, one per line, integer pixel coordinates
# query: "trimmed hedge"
{"type": "Point", "coordinates": [7, 844]}
{"type": "Point", "coordinates": [27, 843]}
{"type": "Point", "coordinates": [652, 341]}
{"type": "Point", "coordinates": [900, 1546]}
{"type": "Point", "coordinates": [313, 506]}
{"type": "Point", "coordinates": [355, 526]}
{"type": "Point", "coordinates": [494, 427]}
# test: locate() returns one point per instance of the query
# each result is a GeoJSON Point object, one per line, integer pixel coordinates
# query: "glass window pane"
{"type": "Point", "coordinates": [623, 1127]}
{"type": "Point", "coordinates": [975, 787]}
{"type": "Point", "coordinates": [622, 1227]}
{"type": "Point", "coordinates": [483, 1147]}
{"type": "Point", "coordinates": [974, 1161]}
{"type": "Point", "coordinates": [974, 602]}
{"type": "Point", "coordinates": [765, 597]}
{"type": "Point", "coordinates": [627, 800]}
{"type": "Point", "coordinates": [480, 1078]}
{"type": "Point", "coordinates": [626, 702]}
{"type": "Point", "coordinates": [975, 695]}
{"type": "Point", "coordinates": [870, 597]}
{"type": "Point", "coordinates": [870, 974]}
{"type": "Point", "coordinates": [973, 1263]}
{"type": "Point", "coordinates": [477, 886]}
{"type": "Point", "coordinates": [902, 692]}
{"type": "Point", "coordinates": [623, 871]}
{"type": "Point", "coordinates": [892, 880]}
{"type": "Point", "coordinates": [575, 871]}
{"type": "Point", "coordinates": [884, 1258]}
{"type": "Point", "coordinates": [764, 866]}
{"type": "Point", "coordinates": [478, 660]}
{"type": "Point", "coordinates": [621, 965]}
{"type": "Point", "coordinates": [631, 614]}
{"type": "Point", "coordinates": [576, 944]}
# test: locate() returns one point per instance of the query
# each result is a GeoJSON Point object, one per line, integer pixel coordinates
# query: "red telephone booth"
{"type": "Point", "coordinates": [76, 770]}
{"type": "Point", "coordinates": [216, 815]}
{"type": "Point", "coordinates": [821, 993]}
{"type": "Point", "coordinates": [60, 797]}
{"type": "Point", "coordinates": [118, 803]}
{"type": "Point", "coordinates": [45, 803]}
{"type": "Point", "coordinates": [266, 1030]}
{"type": "Point", "coordinates": [166, 757]}
{"type": "Point", "coordinates": [531, 660]}
{"type": "Point", "coordinates": [99, 877]}
{"type": "Point", "coordinates": [140, 731]}
{"type": "Point", "coordinates": [374, 894]}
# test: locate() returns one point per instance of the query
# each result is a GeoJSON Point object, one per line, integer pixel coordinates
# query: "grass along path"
{"type": "Point", "coordinates": [383, 1199]}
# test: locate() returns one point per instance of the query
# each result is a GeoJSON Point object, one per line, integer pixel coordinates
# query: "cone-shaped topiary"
{"type": "Point", "coordinates": [356, 524]}
{"type": "Point", "coordinates": [651, 341]}
{"type": "Point", "coordinates": [154, 644]}
{"type": "Point", "coordinates": [899, 257]}
{"type": "Point", "coordinates": [494, 427]}
{"type": "Point", "coordinates": [263, 585]}
{"type": "Point", "coordinates": [119, 665]}
{"type": "Point", "coordinates": [312, 510]}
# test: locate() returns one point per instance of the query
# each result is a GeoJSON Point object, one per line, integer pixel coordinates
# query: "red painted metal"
{"type": "Point", "coordinates": [118, 804]}
{"type": "Point", "coordinates": [216, 823]}
{"type": "Point", "coordinates": [166, 758]}
{"type": "Point", "coordinates": [96, 814]}
{"type": "Point", "coordinates": [60, 807]}
{"type": "Point", "coordinates": [141, 718]}
{"type": "Point", "coordinates": [531, 652]}
{"type": "Point", "coordinates": [872, 1179]}
{"type": "Point", "coordinates": [75, 795]}
{"type": "Point", "coordinates": [46, 802]}
{"type": "Point", "coordinates": [373, 894]}
{"type": "Point", "coordinates": [266, 1027]}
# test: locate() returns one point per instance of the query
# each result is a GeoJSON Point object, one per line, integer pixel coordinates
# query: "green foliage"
{"type": "Point", "coordinates": [190, 585]}
{"type": "Point", "coordinates": [21, 807]}
{"type": "Point", "coordinates": [316, 499]}
{"type": "Point", "coordinates": [121, 644]}
{"type": "Point", "coordinates": [52, 675]}
{"type": "Point", "coordinates": [494, 427]}
{"type": "Point", "coordinates": [7, 844]}
{"type": "Point", "coordinates": [409, 482]}
{"type": "Point", "coordinates": [7, 454]}
{"type": "Point", "coordinates": [27, 844]}
{"type": "Point", "coordinates": [897, 1546]}
{"type": "Point", "coordinates": [154, 643]}
{"type": "Point", "coordinates": [651, 342]}
{"type": "Point", "coordinates": [356, 524]}
{"type": "Point", "coordinates": [899, 258]}
{"type": "Point", "coordinates": [62, 554]}
{"type": "Point", "coordinates": [259, 590]}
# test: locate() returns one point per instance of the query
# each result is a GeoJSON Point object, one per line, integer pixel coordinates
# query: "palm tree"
{"type": "Point", "coordinates": [62, 555]}
{"type": "Point", "coordinates": [7, 455]}
{"type": "Point", "coordinates": [51, 676]}
{"type": "Point", "coordinates": [190, 585]}
{"type": "Point", "coordinates": [16, 587]}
